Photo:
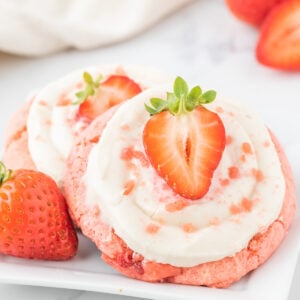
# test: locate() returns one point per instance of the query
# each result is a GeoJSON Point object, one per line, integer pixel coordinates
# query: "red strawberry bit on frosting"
{"type": "Point", "coordinates": [245, 205]}
{"type": "Point", "coordinates": [128, 187]}
{"type": "Point", "coordinates": [178, 205]}
{"type": "Point", "coordinates": [258, 175]}
{"type": "Point", "coordinates": [247, 149]}
{"type": "Point", "coordinates": [63, 101]}
{"type": "Point", "coordinates": [233, 172]}
{"type": "Point", "coordinates": [229, 139]}
{"type": "Point", "coordinates": [183, 140]}
{"type": "Point", "coordinates": [189, 227]}
{"type": "Point", "coordinates": [243, 158]}
{"type": "Point", "coordinates": [224, 182]}
{"type": "Point", "coordinates": [235, 209]}
{"type": "Point", "coordinates": [129, 154]}
{"type": "Point", "coordinates": [152, 229]}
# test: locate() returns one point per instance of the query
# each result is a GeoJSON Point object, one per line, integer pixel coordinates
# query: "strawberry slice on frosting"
{"type": "Point", "coordinates": [183, 140]}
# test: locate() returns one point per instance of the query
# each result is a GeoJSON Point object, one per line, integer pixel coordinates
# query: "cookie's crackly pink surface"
{"type": "Point", "coordinates": [115, 252]}
{"type": "Point", "coordinates": [16, 153]}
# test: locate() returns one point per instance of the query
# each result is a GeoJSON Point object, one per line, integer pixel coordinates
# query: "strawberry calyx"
{"type": "Point", "coordinates": [91, 87]}
{"type": "Point", "coordinates": [182, 100]}
{"type": "Point", "coordinates": [5, 174]}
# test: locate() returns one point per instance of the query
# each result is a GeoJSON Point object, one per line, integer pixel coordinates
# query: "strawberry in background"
{"type": "Point", "coordinates": [279, 42]}
{"type": "Point", "coordinates": [279, 21]}
{"type": "Point", "coordinates": [251, 11]}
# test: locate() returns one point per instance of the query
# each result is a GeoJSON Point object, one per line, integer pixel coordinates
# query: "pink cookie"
{"type": "Point", "coordinates": [220, 273]}
{"type": "Point", "coordinates": [16, 154]}
{"type": "Point", "coordinates": [40, 134]}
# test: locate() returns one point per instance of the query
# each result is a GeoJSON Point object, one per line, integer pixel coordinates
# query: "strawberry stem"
{"type": "Point", "coordinates": [90, 88]}
{"type": "Point", "coordinates": [181, 101]}
{"type": "Point", "coordinates": [5, 173]}
{"type": "Point", "coordinates": [182, 107]}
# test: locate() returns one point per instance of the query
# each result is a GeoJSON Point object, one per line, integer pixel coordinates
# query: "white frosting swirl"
{"type": "Point", "coordinates": [245, 196]}
{"type": "Point", "coordinates": [52, 124]}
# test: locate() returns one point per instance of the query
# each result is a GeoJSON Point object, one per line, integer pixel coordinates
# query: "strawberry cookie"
{"type": "Point", "coordinates": [176, 187]}
{"type": "Point", "coordinates": [40, 135]}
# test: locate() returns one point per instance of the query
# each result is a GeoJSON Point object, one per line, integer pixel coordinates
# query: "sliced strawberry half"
{"type": "Point", "coordinates": [279, 42]}
{"type": "Point", "coordinates": [251, 11]}
{"type": "Point", "coordinates": [185, 148]}
{"type": "Point", "coordinates": [114, 90]}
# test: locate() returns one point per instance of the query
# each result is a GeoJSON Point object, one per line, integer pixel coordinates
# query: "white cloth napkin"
{"type": "Point", "coordinates": [34, 27]}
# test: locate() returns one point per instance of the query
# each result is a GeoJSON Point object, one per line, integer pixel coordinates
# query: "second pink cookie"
{"type": "Point", "coordinates": [41, 133]}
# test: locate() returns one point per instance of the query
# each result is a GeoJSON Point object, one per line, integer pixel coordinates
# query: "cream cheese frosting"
{"type": "Point", "coordinates": [52, 124]}
{"type": "Point", "coordinates": [245, 197]}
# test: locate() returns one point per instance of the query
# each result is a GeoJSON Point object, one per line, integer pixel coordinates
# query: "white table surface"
{"type": "Point", "coordinates": [203, 43]}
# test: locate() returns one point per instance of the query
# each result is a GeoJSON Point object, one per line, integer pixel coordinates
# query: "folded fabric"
{"type": "Point", "coordinates": [33, 27]}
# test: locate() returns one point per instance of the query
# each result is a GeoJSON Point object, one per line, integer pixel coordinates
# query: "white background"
{"type": "Point", "coordinates": [204, 44]}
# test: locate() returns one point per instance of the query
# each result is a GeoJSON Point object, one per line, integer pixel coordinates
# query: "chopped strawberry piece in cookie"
{"type": "Point", "coordinates": [34, 221]}
{"type": "Point", "coordinates": [183, 140]}
{"type": "Point", "coordinates": [279, 42]}
{"type": "Point", "coordinates": [114, 90]}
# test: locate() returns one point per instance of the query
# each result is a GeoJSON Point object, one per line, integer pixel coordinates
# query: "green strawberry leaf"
{"type": "Point", "coordinates": [181, 100]}
{"type": "Point", "coordinates": [157, 102]}
{"type": "Point", "coordinates": [90, 88]}
{"type": "Point", "coordinates": [208, 97]}
{"type": "Point", "coordinates": [181, 88]}
{"type": "Point", "coordinates": [150, 110]}
{"type": "Point", "coordinates": [5, 173]}
{"type": "Point", "coordinates": [195, 93]}
{"type": "Point", "coordinates": [88, 78]}
{"type": "Point", "coordinates": [98, 80]}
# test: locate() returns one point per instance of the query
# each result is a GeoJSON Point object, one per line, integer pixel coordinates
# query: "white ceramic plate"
{"type": "Point", "coordinates": [87, 272]}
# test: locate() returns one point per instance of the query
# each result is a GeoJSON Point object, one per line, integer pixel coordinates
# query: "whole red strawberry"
{"type": "Point", "coordinates": [34, 222]}
{"type": "Point", "coordinates": [184, 141]}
